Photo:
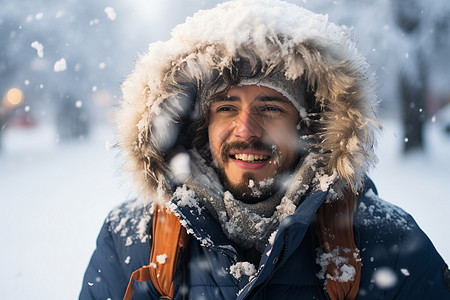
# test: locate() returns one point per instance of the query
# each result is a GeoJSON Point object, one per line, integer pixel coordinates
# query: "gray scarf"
{"type": "Point", "coordinates": [249, 225]}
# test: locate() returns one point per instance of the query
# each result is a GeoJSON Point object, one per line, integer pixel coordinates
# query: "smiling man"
{"type": "Point", "coordinates": [249, 135]}
{"type": "Point", "coordinates": [253, 139]}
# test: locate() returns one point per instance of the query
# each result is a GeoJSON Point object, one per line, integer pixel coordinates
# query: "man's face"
{"type": "Point", "coordinates": [253, 138]}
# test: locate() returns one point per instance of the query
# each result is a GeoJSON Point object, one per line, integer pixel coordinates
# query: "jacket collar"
{"type": "Point", "coordinates": [289, 235]}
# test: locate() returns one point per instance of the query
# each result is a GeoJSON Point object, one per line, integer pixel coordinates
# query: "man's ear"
{"type": "Point", "coordinates": [303, 128]}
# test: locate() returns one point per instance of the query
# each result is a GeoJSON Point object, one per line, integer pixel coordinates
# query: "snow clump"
{"type": "Point", "coordinates": [257, 186]}
{"type": "Point", "coordinates": [344, 272]}
{"type": "Point", "coordinates": [161, 259]}
{"type": "Point", "coordinates": [272, 237]}
{"type": "Point", "coordinates": [60, 65]}
{"type": "Point", "coordinates": [110, 13]}
{"type": "Point", "coordinates": [186, 197]}
{"type": "Point", "coordinates": [325, 181]}
{"type": "Point", "coordinates": [39, 48]}
{"type": "Point", "coordinates": [242, 268]}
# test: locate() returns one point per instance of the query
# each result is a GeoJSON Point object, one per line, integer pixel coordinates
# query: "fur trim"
{"type": "Point", "coordinates": [164, 91]}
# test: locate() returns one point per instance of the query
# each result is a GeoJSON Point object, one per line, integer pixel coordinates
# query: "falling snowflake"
{"type": "Point", "coordinates": [111, 13]}
{"type": "Point", "coordinates": [60, 65]}
{"type": "Point", "coordinates": [385, 278]}
{"type": "Point", "coordinates": [39, 48]}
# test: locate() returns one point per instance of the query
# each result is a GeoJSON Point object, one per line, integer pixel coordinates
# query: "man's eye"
{"type": "Point", "coordinates": [271, 111]}
{"type": "Point", "coordinates": [272, 108]}
{"type": "Point", "coordinates": [225, 109]}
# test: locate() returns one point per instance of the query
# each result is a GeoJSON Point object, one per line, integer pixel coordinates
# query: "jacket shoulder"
{"type": "Point", "coordinates": [374, 212]}
{"type": "Point", "coordinates": [128, 229]}
{"type": "Point", "coordinates": [398, 259]}
{"type": "Point", "coordinates": [122, 247]}
{"type": "Point", "coordinates": [129, 221]}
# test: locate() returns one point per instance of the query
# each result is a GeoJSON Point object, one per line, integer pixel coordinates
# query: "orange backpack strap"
{"type": "Point", "coordinates": [141, 274]}
{"type": "Point", "coordinates": [169, 237]}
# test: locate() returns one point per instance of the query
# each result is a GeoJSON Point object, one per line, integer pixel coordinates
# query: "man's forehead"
{"type": "Point", "coordinates": [260, 98]}
{"type": "Point", "coordinates": [250, 92]}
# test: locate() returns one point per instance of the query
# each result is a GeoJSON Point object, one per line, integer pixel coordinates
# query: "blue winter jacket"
{"type": "Point", "coordinates": [398, 259]}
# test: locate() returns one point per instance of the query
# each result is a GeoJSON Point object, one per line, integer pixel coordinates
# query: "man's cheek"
{"type": "Point", "coordinates": [217, 157]}
{"type": "Point", "coordinates": [286, 139]}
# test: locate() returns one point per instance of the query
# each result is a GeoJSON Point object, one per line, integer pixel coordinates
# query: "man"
{"type": "Point", "coordinates": [249, 134]}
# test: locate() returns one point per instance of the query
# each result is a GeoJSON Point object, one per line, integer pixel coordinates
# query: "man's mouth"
{"type": "Point", "coordinates": [252, 158]}
{"type": "Point", "coordinates": [248, 155]}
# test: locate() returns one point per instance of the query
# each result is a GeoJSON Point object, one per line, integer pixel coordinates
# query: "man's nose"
{"type": "Point", "coordinates": [248, 126]}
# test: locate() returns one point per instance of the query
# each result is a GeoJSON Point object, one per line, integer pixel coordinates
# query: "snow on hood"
{"type": "Point", "coordinates": [164, 92]}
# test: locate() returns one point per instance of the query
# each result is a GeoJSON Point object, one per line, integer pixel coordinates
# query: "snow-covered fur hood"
{"type": "Point", "coordinates": [164, 93]}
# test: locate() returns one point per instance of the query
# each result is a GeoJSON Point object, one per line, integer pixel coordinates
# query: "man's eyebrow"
{"type": "Point", "coordinates": [259, 98]}
{"type": "Point", "coordinates": [225, 99]}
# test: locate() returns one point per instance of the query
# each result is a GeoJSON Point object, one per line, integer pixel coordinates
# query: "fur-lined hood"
{"type": "Point", "coordinates": [163, 95]}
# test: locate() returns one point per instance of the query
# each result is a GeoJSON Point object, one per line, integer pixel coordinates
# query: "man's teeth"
{"type": "Point", "coordinates": [251, 157]}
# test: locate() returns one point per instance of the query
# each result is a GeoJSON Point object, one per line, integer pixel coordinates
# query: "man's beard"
{"type": "Point", "coordinates": [248, 189]}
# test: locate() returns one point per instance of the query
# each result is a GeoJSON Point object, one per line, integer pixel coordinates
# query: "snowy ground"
{"type": "Point", "coordinates": [55, 197]}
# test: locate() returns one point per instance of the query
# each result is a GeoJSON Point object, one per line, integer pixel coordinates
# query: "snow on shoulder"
{"type": "Point", "coordinates": [186, 197]}
{"type": "Point", "coordinates": [129, 221]}
{"type": "Point", "coordinates": [380, 211]}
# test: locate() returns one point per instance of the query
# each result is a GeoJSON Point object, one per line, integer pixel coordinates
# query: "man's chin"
{"type": "Point", "coordinates": [248, 189]}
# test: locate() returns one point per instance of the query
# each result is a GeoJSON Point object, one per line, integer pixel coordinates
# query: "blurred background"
{"type": "Point", "coordinates": [61, 66]}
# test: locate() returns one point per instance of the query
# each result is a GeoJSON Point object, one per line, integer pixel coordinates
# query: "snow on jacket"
{"type": "Point", "coordinates": [399, 261]}
{"type": "Point", "coordinates": [164, 95]}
